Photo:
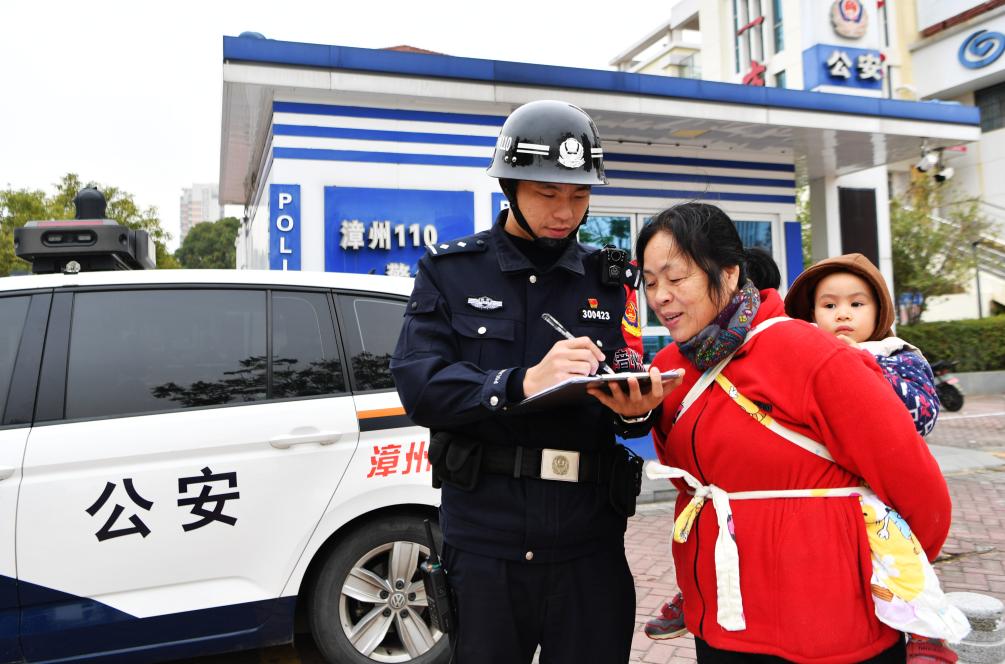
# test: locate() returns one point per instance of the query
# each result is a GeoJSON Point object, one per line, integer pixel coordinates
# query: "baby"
{"type": "Point", "coordinates": [847, 297]}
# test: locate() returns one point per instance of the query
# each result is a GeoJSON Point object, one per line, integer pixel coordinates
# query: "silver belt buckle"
{"type": "Point", "coordinates": [561, 465]}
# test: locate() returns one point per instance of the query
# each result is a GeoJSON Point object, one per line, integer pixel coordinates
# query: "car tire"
{"type": "Point", "coordinates": [368, 603]}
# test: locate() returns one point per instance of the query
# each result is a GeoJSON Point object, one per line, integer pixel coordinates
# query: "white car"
{"type": "Point", "coordinates": [191, 460]}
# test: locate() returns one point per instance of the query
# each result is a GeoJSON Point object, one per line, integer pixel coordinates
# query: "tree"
{"type": "Point", "coordinates": [19, 206]}
{"type": "Point", "coordinates": [932, 232]}
{"type": "Point", "coordinates": [210, 245]}
{"type": "Point", "coordinates": [805, 224]}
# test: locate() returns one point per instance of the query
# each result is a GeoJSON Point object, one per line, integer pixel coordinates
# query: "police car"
{"type": "Point", "coordinates": [197, 461]}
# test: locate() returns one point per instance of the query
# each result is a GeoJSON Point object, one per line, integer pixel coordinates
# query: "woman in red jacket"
{"type": "Point", "coordinates": [798, 583]}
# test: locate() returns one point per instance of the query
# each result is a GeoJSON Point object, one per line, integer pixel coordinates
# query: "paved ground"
{"type": "Point", "coordinates": [970, 447]}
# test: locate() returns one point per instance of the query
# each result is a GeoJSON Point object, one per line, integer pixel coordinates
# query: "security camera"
{"type": "Point", "coordinates": [944, 174]}
{"type": "Point", "coordinates": [927, 161]}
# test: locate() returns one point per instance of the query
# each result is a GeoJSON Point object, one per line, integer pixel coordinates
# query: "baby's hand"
{"type": "Point", "coordinates": [848, 340]}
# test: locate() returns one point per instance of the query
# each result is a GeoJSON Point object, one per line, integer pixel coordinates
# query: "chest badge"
{"type": "Point", "coordinates": [593, 312]}
{"type": "Point", "coordinates": [485, 303]}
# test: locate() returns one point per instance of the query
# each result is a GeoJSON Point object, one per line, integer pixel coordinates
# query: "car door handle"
{"type": "Point", "coordinates": [287, 441]}
{"type": "Point", "coordinates": [6, 471]}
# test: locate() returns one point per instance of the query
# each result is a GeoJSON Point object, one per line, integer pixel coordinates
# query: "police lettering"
{"type": "Point", "coordinates": [197, 503]}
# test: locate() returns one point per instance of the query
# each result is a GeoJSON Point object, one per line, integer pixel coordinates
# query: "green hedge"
{"type": "Point", "coordinates": [978, 344]}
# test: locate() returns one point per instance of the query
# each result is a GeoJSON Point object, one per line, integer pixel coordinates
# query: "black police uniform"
{"type": "Point", "coordinates": [531, 560]}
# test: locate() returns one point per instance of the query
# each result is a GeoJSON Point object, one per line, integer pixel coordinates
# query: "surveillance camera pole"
{"type": "Point", "coordinates": [977, 277]}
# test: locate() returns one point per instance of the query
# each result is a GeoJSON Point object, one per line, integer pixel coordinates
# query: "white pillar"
{"type": "Point", "coordinates": [825, 223]}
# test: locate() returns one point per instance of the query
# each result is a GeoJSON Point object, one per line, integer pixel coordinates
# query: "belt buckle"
{"type": "Point", "coordinates": [561, 465]}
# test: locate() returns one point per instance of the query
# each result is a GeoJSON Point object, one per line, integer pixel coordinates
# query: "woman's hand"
{"type": "Point", "coordinates": [631, 402]}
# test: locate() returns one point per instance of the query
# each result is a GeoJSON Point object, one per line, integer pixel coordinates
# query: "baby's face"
{"type": "Point", "coordinates": [844, 305]}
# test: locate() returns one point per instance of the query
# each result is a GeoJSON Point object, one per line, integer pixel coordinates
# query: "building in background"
{"type": "Point", "coordinates": [958, 56]}
{"type": "Point", "coordinates": [357, 160]}
{"type": "Point", "coordinates": [198, 203]}
{"type": "Point", "coordinates": [945, 50]}
{"type": "Point", "coordinates": [673, 48]}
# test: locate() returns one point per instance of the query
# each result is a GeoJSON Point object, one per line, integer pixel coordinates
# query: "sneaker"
{"type": "Point", "coordinates": [670, 623]}
{"type": "Point", "coordinates": [922, 650]}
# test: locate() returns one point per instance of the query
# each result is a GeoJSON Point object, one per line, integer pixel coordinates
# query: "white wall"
{"type": "Point", "coordinates": [938, 72]}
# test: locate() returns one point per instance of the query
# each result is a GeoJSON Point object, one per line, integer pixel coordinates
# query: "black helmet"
{"type": "Point", "coordinates": [549, 141]}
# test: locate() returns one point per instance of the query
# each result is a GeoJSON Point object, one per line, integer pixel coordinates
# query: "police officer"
{"type": "Point", "coordinates": [534, 504]}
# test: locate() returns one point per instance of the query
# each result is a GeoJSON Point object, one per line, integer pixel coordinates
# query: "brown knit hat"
{"type": "Point", "coordinates": [799, 299]}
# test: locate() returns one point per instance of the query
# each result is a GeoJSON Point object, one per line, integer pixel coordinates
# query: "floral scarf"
{"type": "Point", "coordinates": [725, 334]}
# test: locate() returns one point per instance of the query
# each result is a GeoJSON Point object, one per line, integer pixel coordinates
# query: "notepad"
{"type": "Point", "coordinates": [572, 390]}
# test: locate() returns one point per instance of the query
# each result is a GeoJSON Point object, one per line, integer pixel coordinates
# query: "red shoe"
{"type": "Point", "coordinates": [670, 623]}
{"type": "Point", "coordinates": [922, 650]}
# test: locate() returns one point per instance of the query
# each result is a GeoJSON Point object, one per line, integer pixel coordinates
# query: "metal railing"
{"type": "Point", "coordinates": [989, 249]}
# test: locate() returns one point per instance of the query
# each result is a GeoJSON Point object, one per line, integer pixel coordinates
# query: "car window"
{"type": "Point", "coordinates": [13, 311]}
{"type": "Point", "coordinates": [154, 350]}
{"type": "Point", "coordinates": [305, 360]}
{"type": "Point", "coordinates": [372, 329]}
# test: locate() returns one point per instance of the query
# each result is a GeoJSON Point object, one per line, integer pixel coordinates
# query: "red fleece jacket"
{"type": "Point", "coordinates": [804, 562]}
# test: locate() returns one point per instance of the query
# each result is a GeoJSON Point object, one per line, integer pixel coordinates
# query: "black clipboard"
{"type": "Point", "coordinates": [573, 390]}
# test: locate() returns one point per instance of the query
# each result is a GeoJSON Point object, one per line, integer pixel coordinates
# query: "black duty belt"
{"type": "Point", "coordinates": [547, 464]}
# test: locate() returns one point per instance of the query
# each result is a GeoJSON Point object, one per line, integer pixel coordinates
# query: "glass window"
{"type": "Point", "coordinates": [305, 360]}
{"type": "Point", "coordinates": [737, 57]}
{"type": "Point", "coordinates": [13, 311]}
{"type": "Point", "coordinates": [756, 45]}
{"type": "Point", "coordinates": [602, 230]}
{"type": "Point", "coordinates": [154, 350]}
{"type": "Point", "coordinates": [748, 22]}
{"type": "Point", "coordinates": [780, 79]}
{"type": "Point", "coordinates": [755, 234]}
{"type": "Point", "coordinates": [776, 19]}
{"type": "Point", "coordinates": [371, 334]}
{"type": "Point", "coordinates": [991, 101]}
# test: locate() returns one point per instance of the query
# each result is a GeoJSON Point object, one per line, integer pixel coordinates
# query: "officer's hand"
{"type": "Point", "coordinates": [567, 358]}
{"type": "Point", "coordinates": [631, 402]}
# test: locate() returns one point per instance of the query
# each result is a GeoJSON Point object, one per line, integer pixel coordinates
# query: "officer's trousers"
{"type": "Point", "coordinates": [578, 611]}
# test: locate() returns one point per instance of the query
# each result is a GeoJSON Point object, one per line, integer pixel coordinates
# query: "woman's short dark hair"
{"type": "Point", "coordinates": [708, 237]}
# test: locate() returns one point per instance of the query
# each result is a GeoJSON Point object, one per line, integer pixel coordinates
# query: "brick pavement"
{"type": "Point", "coordinates": [973, 558]}
{"type": "Point", "coordinates": [979, 425]}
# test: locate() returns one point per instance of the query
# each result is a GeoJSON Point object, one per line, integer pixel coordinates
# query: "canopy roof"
{"type": "Point", "coordinates": [824, 134]}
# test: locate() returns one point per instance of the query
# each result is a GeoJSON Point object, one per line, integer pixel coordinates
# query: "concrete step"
{"type": "Point", "coordinates": [986, 642]}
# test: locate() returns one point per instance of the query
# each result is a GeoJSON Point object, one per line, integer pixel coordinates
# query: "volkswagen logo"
{"type": "Point", "coordinates": [397, 601]}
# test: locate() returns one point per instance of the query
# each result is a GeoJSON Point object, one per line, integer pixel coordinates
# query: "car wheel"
{"type": "Point", "coordinates": [368, 603]}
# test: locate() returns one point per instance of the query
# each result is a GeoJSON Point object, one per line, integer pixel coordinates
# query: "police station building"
{"type": "Point", "coordinates": [353, 160]}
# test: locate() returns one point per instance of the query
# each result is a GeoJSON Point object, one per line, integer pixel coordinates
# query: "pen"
{"type": "Point", "coordinates": [551, 320]}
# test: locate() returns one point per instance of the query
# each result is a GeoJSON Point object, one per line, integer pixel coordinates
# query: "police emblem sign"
{"type": "Point", "coordinates": [849, 18]}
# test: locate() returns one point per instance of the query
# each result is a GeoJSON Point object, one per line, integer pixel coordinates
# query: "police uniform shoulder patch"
{"type": "Point", "coordinates": [471, 244]}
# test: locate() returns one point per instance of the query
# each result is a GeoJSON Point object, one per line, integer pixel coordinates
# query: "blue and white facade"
{"type": "Point", "coordinates": [374, 154]}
